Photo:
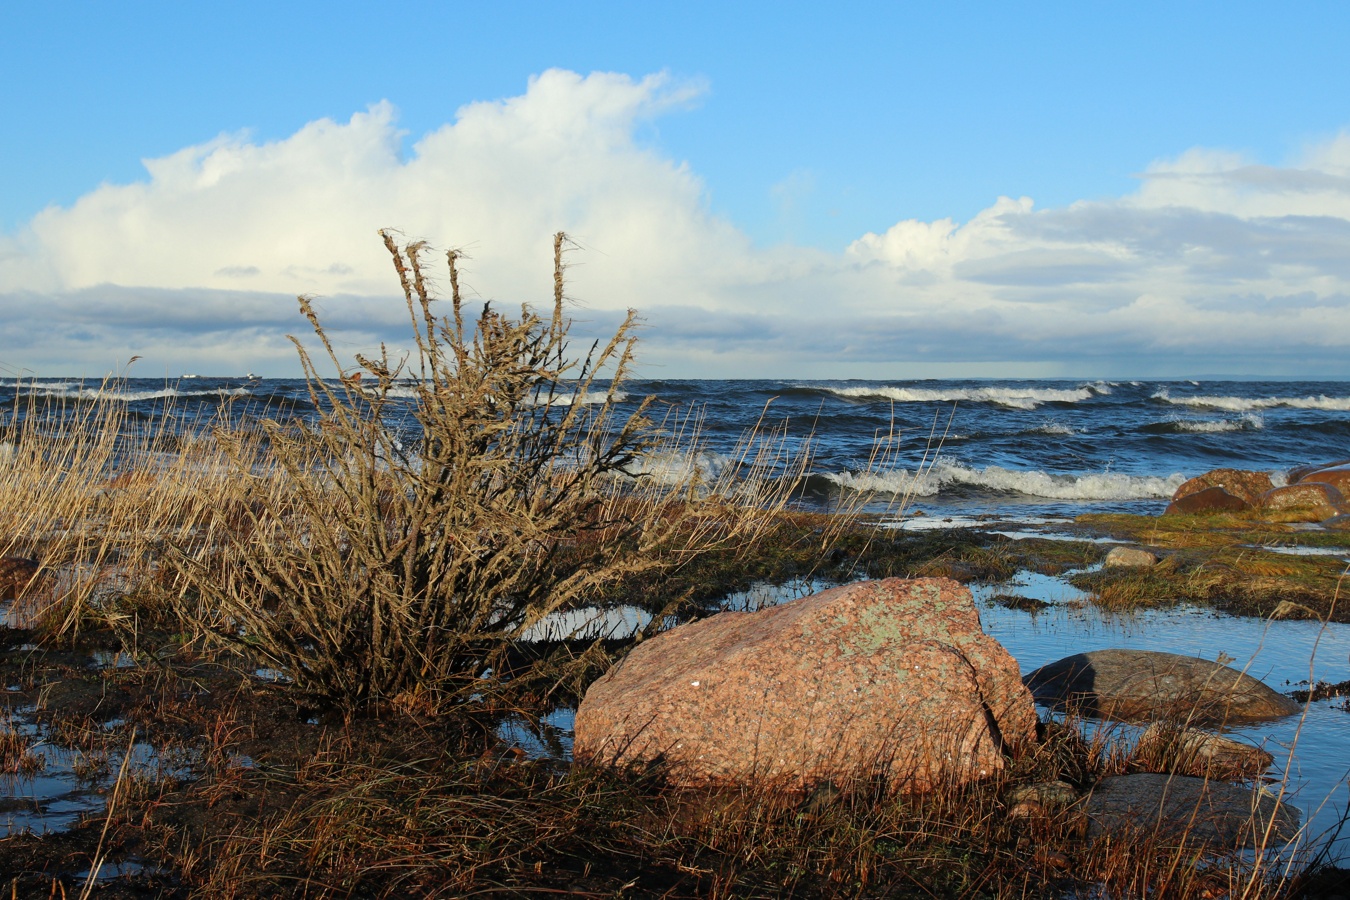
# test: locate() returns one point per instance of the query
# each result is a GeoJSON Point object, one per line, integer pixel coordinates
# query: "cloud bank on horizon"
{"type": "Point", "coordinates": [1215, 264]}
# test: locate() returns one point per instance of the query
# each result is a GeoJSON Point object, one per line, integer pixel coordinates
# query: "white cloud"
{"type": "Point", "coordinates": [1216, 263]}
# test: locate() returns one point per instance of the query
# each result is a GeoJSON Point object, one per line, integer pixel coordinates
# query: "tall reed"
{"type": "Point", "coordinates": [93, 495]}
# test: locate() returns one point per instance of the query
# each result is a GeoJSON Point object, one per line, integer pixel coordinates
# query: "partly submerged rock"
{"type": "Point", "coordinates": [889, 679]}
{"type": "Point", "coordinates": [1316, 501]}
{"type": "Point", "coordinates": [1214, 499]}
{"type": "Point", "coordinates": [1245, 485]}
{"type": "Point", "coordinates": [1196, 811]}
{"type": "Point", "coordinates": [1165, 747]}
{"type": "Point", "coordinates": [1338, 522]}
{"type": "Point", "coordinates": [1144, 685]}
{"type": "Point", "coordinates": [1130, 557]}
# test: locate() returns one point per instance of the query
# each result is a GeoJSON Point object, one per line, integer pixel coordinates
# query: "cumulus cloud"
{"type": "Point", "coordinates": [1216, 263]}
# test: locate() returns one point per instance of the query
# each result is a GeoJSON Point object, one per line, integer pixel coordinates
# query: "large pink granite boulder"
{"type": "Point", "coordinates": [888, 679]}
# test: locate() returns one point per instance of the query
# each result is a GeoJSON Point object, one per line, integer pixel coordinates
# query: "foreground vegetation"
{"type": "Point", "coordinates": [290, 653]}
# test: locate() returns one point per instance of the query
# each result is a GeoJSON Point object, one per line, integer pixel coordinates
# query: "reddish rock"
{"type": "Point", "coordinates": [1339, 522]}
{"type": "Point", "coordinates": [1143, 685]}
{"type": "Point", "coordinates": [1336, 476]}
{"type": "Point", "coordinates": [892, 679]}
{"type": "Point", "coordinates": [1314, 500]}
{"type": "Point", "coordinates": [1214, 499]}
{"type": "Point", "coordinates": [17, 576]}
{"type": "Point", "coordinates": [1248, 486]}
{"type": "Point", "coordinates": [1298, 473]}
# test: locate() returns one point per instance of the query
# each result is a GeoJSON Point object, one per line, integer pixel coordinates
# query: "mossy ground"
{"type": "Point", "coordinates": [1223, 561]}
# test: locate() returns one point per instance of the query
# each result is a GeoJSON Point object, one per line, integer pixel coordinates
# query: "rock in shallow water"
{"type": "Point", "coordinates": [889, 679]}
{"type": "Point", "coordinates": [1190, 751]}
{"type": "Point", "coordinates": [1143, 685]}
{"type": "Point", "coordinates": [1173, 808]}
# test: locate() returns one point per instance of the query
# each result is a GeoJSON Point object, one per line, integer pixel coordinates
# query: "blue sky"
{"type": "Point", "coordinates": [776, 137]}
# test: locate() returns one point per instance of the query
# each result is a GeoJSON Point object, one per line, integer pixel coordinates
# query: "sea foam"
{"type": "Point", "coordinates": [946, 475]}
{"type": "Point", "coordinates": [1015, 398]}
{"type": "Point", "coordinates": [78, 392]}
{"type": "Point", "coordinates": [1247, 422]}
{"type": "Point", "coordinates": [1251, 404]}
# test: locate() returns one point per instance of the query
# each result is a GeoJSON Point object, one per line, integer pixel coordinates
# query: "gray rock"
{"type": "Point", "coordinates": [1216, 814]}
{"type": "Point", "coordinates": [1338, 523]}
{"type": "Point", "coordinates": [1144, 685]}
{"type": "Point", "coordinates": [1130, 557]}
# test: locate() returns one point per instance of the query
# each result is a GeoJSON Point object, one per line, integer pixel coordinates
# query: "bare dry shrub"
{"type": "Point", "coordinates": [441, 506]}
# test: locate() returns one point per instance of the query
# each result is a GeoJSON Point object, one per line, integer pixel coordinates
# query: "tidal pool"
{"type": "Point", "coordinates": [1313, 749]}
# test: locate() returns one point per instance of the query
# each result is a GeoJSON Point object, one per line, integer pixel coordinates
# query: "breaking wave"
{"type": "Point", "coordinates": [1177, 425]}
{"type": "Point", "coordinates": [1055, 428]}
{"type": "Point", "coordinates": [1252, 404]}
{"type": "Point", "coordinates": [589, 398]}
{"type": "Point", "coordinates": [1013, 397]}
{"type": "Point", "coordinates": [948, 476]}
{"type": "Point", "coordinates": [78, 392]}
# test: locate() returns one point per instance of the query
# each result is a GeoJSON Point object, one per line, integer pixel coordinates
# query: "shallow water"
{"type": "Point", "coordinates": [1312, 749]}
{"type": "Point", "coordinates": [71, 786]}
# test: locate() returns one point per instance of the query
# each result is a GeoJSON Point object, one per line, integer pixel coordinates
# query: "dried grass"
{"type": "Point", "coordinates": [396, 549]}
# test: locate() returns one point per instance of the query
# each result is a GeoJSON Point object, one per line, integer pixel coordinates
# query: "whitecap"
{"type": "Point", "coordinates": [588, 398]}
{"type": "Point", "coordinates": [78, 392]}
{"type": "Point", "coordinates": [946, 474]}
{"type": "Point", "coordinates": [1250, 404]}
{"type": "Point", "coordinates": [1016, 398]}
{"type": "Point", "coordinates": [1247, 422]}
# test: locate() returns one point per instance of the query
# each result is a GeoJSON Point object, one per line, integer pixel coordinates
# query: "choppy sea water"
{"type": "Point", "coordinates": [964, 446]}
{"type": "Point", "coordinates": [1023, 451]}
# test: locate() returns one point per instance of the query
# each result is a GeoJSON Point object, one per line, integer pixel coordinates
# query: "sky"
{"type": "Point", "coordinates": [874, 190]}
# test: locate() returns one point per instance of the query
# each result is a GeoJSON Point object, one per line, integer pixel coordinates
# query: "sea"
{"type": "Point", "coordinates": [962, 453]}
{"type": "Point", "coordinates": [964, 447]}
